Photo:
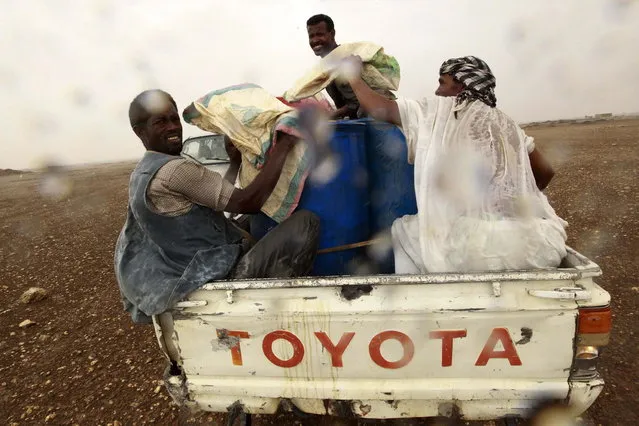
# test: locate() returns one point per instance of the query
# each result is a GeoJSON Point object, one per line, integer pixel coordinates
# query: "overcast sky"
{"type": "Point", "coordinates": [69, 69]}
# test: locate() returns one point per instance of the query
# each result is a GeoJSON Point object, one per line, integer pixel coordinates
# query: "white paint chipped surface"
{"type": "Point", "coordinates": [385, 350]}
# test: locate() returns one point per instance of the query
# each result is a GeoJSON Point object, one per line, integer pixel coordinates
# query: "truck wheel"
{"type": "Point", "coordinates": [245, 419]}
{"type": "Point", "coordinates": [299, 413]}
{"type": "Point", "coordinates": [558, 415]}
{"type": "Point", "coordinates": [511, 421]}
{"type": "Point", "coordinates": [235, 418]}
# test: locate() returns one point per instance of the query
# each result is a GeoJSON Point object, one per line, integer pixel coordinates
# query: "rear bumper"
{"type": "Point", "coordinates": [469, 400]}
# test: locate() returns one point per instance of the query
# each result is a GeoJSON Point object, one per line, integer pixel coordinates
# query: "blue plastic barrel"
{"type": "Point", "coordinates": [391, 182]}
{"type": "Point", "coordinates": [341, 203]}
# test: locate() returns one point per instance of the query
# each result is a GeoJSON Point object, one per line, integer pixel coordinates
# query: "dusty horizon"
{"type": "Point", "coordinates": [69, 72]}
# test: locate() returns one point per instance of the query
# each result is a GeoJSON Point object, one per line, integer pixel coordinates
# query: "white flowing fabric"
{"type": "Point", "coordinates": [479, 208]}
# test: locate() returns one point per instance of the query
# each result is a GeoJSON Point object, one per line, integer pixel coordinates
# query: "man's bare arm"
{"type": "Point", "coordinates": [541, 168]}
{"type": "Point", "coordinates": [231, 172]}
{"type": "Point", "coordinates": [340, 112]}
{"type": "Point", "coordinates": [235, 160]}
{"type": "Point", "coordinates": [252, 198]}
{"type": "Point", "coordinates": [375, 104]}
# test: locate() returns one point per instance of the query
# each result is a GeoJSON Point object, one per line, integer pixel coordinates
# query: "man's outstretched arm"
{"type": "Point", "coordinates": [252, 198]}
{"type": "Point", "coordinates": [373, 103]}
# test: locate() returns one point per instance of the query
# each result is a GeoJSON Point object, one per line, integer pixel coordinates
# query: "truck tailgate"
{"type": "Point", "coordinates": [394, 332]}
{"type": "Point", "coordinates": [401, 346]}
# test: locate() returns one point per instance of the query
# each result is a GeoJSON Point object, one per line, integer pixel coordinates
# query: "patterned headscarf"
{"type": "Point", "coordinates": [475, 75]}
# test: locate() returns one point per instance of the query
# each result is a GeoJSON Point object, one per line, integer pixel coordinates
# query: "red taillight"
{"type": "Point", "coordinates": [593, 332]}
{"type": "Point", "coordinates": [594, 320]}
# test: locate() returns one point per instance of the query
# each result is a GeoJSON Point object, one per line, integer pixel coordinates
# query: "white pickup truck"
{"type": "Point", "coordinates": [475, 346]}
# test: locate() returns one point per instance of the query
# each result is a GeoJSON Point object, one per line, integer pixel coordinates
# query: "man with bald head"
{"type": "Point", "coordinates": [176, 237]}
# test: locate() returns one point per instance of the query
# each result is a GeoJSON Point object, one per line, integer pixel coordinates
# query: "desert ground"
{"type": "Point", "coordinates": [84, 362]}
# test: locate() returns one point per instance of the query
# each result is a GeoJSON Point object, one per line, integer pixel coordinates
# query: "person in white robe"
{"type": "Point", "coordinates": [478, 178]}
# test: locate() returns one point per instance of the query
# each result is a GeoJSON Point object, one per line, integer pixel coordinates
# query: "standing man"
{"type": "Point", "coordinates": [321, 38]}
{"type": "Point", "coordinates": [176, 237]}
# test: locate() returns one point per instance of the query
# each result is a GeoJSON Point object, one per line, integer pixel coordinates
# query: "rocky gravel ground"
{"type": "Point", "coordinates": [74, 356]}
